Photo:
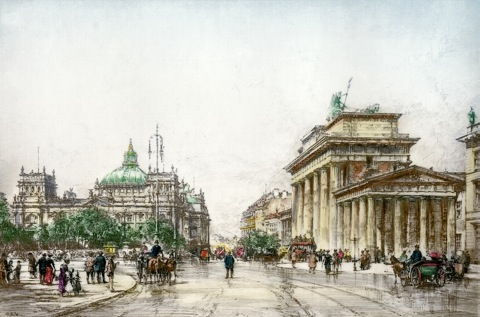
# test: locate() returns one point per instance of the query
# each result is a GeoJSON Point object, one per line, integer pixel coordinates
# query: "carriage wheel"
{"type": "Point", "coordinates": [416, 277]}
{"type": "Point", "coordinates": [440, 277]}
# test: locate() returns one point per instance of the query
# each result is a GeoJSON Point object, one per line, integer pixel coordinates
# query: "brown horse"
{"type": "Point", "coordinates": [152, 270]}
{"type": "Point", "coordinates": [397, 267]}
{"type": "Point", "coordinates": [171, 266]}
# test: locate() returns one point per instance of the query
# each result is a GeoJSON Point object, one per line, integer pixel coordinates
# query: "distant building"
{"type": "Point", "coordinates": [354, 187]}
{"type": "Point", "coordinates": [128, 194]}
{"type": "Point", "coordinates": [270, 213]}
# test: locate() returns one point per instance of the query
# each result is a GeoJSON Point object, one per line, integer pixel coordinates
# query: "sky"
{"type": "Point", "coordinates": [233, 85]}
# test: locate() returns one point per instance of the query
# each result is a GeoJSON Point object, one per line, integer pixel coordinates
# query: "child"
{"type": "Point", "coordinates": [18, 269]}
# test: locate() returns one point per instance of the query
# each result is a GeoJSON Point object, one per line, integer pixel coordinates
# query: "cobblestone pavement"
{"type": "Point", "coordinates": [256, 290]}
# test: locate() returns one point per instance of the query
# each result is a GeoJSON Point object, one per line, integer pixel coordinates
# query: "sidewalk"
{"type": "Point", "coordinates": [376, 268]}
{"type": "Point", "coordinates": [92, 293]}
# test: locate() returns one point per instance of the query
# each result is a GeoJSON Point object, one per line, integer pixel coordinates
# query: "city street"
{"type": "Point", "coordinates": [255, 290]}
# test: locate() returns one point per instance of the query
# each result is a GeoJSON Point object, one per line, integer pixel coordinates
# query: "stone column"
{"type": "Point", "coordinates": [300, 209]}
{"type": "Point", "coordinates": [412, 224]}
{"type": "Point", "coordinates": [316, 208]}
{"type": "Point", "coordinates": [423, 225]}
{"type": "Point", "coordinates": [437, 224]}
{"type": "Point", "coordinates": [371, 230]}
{"type": "Point", "coordinates": [354, 226]}
{"type": "Point", "coordinates": [398, 227]}
{"type": "Point", "coordinates": [388, 225]}
{"type": "Point", "coordinates": [362, 223]}
{"type": "Point", "coordinates": [347, 221]}
{"type": "Point", "coordinates": [324, 241]}
{"type": "Point", "coordinates": [294, 210]}
{"type": "Point", "coordinates": [340, 226]}
{"type": "Point", "coordinates": [307, 208]}
{"type": "Point", "coordinates": [379, 224]}
{"type": "Point", "coordinates": [451, 226]}
{"type": "Point", "coordinates": [333, 207]}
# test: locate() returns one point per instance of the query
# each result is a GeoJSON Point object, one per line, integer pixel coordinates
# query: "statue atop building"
{"type": "Point", "coordinates": [472, 116]}
{"type": "Point", "coordinates": [336, 105]}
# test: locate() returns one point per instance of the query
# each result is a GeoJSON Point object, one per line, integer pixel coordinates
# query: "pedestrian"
{"type": "Point", "coordinates": [89, 268]}
{"type": "Point", "coordinates": [18, 270]}
{"type": "Point", "coordinates": [312, 262]}
{"type": "Point", "coordinates": [327, 261]}
{"type": "Point", "coordinates": [341, 255]}
{"type": "Point", "coordinates": [294, 258]}
{"type": "Point", "coordinates": [99, 267]}
{"type": "Point", "coordinates": [467, 261]}
{"type": "Point", "coordinates": [10, 271]}
{"type": "Point", "coordinates": [229, 263]}
{"type": "Point", "coordinates": [62, 279]}
{"type": "Point", "coordinates": [388, 258]}
{"type": "Point", "coordinates": [50, 270]}
{"type": "Point", "coordinates": [42, 267]}
{"type": "Point", "coordinates": [3, 269]}
{"type": "Point", "coordinates": [32, 267]}
{"type": "Point", "coordinates": [377, 254]}
{"type": "Point", "coordinates": [111, 266]}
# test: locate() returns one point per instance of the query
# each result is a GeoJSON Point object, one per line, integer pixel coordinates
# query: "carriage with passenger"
{"type": "Point", "coordinates": [428, 272]}
{"type": "Point", "coordinates": [417, 274]}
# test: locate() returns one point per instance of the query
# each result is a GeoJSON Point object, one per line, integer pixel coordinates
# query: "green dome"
{"type": "Point", "coordinates": [129, 173]}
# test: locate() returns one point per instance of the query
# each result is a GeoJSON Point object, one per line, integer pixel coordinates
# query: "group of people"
{"type": "Point", "coordinates": [98, 266]}
{"type": "Point", "coordinates": [45, 270]}
{"type": "Point", "coordinates": [8, 273]}
{"type": "Point", "coordinates": [323, 256]}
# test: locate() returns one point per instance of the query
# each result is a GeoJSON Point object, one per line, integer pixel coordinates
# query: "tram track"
{"type": "Point", "coordinates": [329, 287]}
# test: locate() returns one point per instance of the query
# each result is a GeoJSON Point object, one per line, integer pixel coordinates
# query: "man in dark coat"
{"type": "Point", "coordinates": [99, 266]}
{"type": "Point", "coordinates": [416, 255]}
{"type": "Point", "coordinates": [156, 250]}
{"type": "Point", "coordinates": [42, 267]}
{"type": "Point", "coordinates": [229, 263]}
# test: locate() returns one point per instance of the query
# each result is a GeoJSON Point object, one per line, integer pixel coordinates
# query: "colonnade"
{"type": "Point", "coordinates": [397, 222]}
{"type": "Point", "coordinates": [390, 221]}
{"type": "Point", "coordinates": [312, 203]}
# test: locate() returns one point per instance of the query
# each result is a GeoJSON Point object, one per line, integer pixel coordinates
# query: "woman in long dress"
{"type": "Point", "coordinates": [62, 280]}
{"type": "Point", "coordinates": [49, 273]}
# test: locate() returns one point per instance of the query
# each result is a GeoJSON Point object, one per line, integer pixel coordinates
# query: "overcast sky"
{"type": "Point", "coordinates": [233, 85]}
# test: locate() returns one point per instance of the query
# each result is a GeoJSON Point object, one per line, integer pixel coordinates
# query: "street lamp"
{"type": "Point", "coordinates": [157, 193]}
{"type": "Point", "coordinates": [354, 253]}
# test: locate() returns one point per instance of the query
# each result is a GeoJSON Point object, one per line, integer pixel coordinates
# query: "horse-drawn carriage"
{"type": "Point", "coordinates": [205, 255]}
{"type": "Point", "coordinates": [156, 269]}
{"type": "Point", "coordinates": [302, 246]}
{"type": "Point", "coordinates": [430, 271]}
{"type": "Point", "coordinates": [417, 274]}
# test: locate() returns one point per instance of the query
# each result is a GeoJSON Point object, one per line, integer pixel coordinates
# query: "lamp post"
{"type": "Point", "coordinates": [158, 155]}
{"type": "Point", "coordinates": [157, 193]}
{"type": "Point", "coordinates": [354, 253]}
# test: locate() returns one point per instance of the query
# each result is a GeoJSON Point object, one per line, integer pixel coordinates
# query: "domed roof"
{"type": "Point", "coordinates": [129, 173]}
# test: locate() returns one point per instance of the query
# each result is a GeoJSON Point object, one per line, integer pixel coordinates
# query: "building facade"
{"type": "Point", "coordinates": [128, 194]}
{"type": "Point", "coordinates": [472, 191]}
{"type": "Point", "coordinates": [271, 214]}
{"type": "Point", "coordinates": [354, 187]}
